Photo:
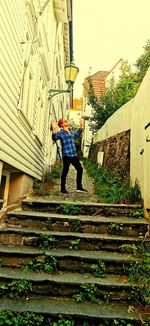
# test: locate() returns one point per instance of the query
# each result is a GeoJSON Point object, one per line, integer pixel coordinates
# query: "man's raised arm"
{"type": "Point", "coordinates": [54, 126]}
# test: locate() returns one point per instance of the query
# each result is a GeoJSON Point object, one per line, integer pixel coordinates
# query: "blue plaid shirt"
{"type": "Point", "coordinates": [67, 141]}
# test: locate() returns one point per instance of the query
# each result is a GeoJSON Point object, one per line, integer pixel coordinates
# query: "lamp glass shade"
{"type": "Point", "coordinates": [71, 72]}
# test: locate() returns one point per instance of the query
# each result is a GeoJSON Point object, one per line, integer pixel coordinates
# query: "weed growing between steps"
{"type": "Point", "coordinates": [74, 244]}
{"type": "Point", "coordinates": [99, 269]}
{"type": "Point", "coordinates": [140, 272]}
{"type": "Point", "coordinates": [111, 188]}
{"type": "Point", "coordinates": [44, 187]}
{"type": "Point", "coordinates": [115, 228]}
{"type": "Point", "coordinates": [15, 289]}
{"type": "Point", "coordinates": [49, 265]}
{"type": "Point", "coordinates": [46, 241]}
{"type": "Point", "coordinates": [21, 319]}
{"type": "Point", "coordinates": [76, 224]}
{"type": "Point", "coordinates": [34, 319]}
{"type": "Point", "coordinates": [87, 293]}
{"type": "Point", "coordinates": [68, 209]}
{"type": "Point", "coordinates": [139, 213]}
{"type": "Point", "coordinates": [128, 248]}
{"type": "Point", "coordinates": [135, 249]}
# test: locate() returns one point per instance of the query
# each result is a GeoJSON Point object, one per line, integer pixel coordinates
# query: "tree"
{"type": "Point", "coordinates": [118, 94]}
{"type": "Point", "coordinates": [143, 62]}
{"type": "Point", "coordinates": [114, 97]}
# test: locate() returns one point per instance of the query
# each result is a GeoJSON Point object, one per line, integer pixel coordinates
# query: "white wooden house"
{"type": "Point", "coordinates": [35, 47]}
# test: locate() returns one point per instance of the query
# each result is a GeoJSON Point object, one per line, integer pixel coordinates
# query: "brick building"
{"type": "Point", "coordinates": [101, 79]}
{"type": "Point", "coordinates": [98, 81]}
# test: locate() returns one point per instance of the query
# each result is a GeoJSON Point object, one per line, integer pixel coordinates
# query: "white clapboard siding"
{"type": "Point", "coordinates": [17, 141]}
{"type": "Point", "coordinates": [20, 146]}
{"type": "Point", "coordinates": [30, 44]}
{"type": "Point", "coordinates": [17, 136]}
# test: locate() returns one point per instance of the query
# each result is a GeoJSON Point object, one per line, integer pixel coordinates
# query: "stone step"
{"type": "Point", "coordinates": [93, 313]}
{"type": "Point", "coordinates": [84, 208]}
{"type": "Point", "coordinates": [67, 260]}
{"type": "Point", "coordinates": [82, 223]}
{"type": "Point", "coordinates": [64, 284]}
{"type": "Point", "coordinates": [68, 240]}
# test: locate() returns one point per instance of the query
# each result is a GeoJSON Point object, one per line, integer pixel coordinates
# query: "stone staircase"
{"type": "Point", "coordinates": [72, 258]}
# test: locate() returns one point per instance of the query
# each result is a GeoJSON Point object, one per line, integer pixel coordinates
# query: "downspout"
{"type": "Point", "coordinates": [71, 32]}
{"type": "Point", "coordinates": [71, 42]}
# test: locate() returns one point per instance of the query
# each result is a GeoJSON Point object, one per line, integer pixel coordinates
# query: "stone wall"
{"type": "Point", "coordinates": [116, 153]}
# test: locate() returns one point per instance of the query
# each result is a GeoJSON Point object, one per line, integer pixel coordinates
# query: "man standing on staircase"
{"type": "Point", "coordinates": [69, 153]}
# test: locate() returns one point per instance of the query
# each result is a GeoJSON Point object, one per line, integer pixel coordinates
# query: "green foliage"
{"type": "Point", "coordinates": [140, 295]}
{"type": "Point", "coordinates": [46, 241]}
{"type": "Point", "coordinates": [138, 213]}
{"type": "Point", "coordinates": [49, 265]}
{"type": "Point", "coordinates": [116, 322]}
{"type": "Point", "coordinates": [69, 209]}
{"type": "Point", "coordinates": [87, 293]}
{"type": "Point", "coordinates": [114, 97]}
{"type": "Point", "coordinates": [115, 228]}
{"type": "Point", "coordinates": [140, 272]}
{"type": "Point", "coordinates": [76, 224]}
{"type": "Point", "coordinates": [143, 247]}
{"type": "Point", "coordinates": [39, 189]}
{"type": "Point", "coordinates": [63, 322]}
{"type": "Point", "coordinates": [117, 94]}
{"type": "Point", "coordinates": [134, 193]}
{"type": "Point", "coordinates": [54, 174]}
{"type": "Point", "coordinates": [143, 62]}
{"type": "Point", "coordinates": [74, 244]}
{"type": "Point", "coordinates": [128, 248]}
{"type": "Point", "coordinates": [136, 249]}
{"type": "Point", "coordinates": [9, 318]}
{"type": "Point", "coordinates": [20, 319]}
{"type": "Point", "coordinates": [99, 270]}
{"type": "Point", "coordinates": [111, 188]}
{"type": "Point", "coordinates": [16, 288]}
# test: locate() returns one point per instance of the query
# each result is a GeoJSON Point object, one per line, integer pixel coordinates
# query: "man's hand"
{"type": "Point", "coordinates": [54, 126]}
{"type": "Point", "coordinates": [81, 123]}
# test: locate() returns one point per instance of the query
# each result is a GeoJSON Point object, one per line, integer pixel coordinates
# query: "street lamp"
{"type": "Point", "coordinates": [71, 72]}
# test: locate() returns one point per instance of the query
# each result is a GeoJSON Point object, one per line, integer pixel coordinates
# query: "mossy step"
{"type": "Point", "coordinates": [98, 224]}
{"type": "Point", "coordinates": [64, 278]}
{"type": "Point", "coordinates": [92, 255]}
{"type": "Point", "coordinates": [67, 260]}
{"type": "Point", "coordinates": [69, 307]}
{"type": "Point", "coordinates": [85, 241]}
{"type": "Point", "coordinates": [85, 218]}
{"type": "Point", "coordinates": [113, 287]}
{"type": "Point", "coordinates": [85, 207]}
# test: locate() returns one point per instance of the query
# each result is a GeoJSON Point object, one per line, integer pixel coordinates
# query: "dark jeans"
{"type": "Point", "coordinates": [67, 160]}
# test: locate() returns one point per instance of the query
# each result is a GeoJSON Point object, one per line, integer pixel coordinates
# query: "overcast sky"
{"type": "Point", "coordinates": [105, 31]}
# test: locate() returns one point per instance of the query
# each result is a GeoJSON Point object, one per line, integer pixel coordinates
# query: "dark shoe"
{"type": "Point", "coordinates": [64, 191]}
{"type": "Point", "coordinates": [81, 190]}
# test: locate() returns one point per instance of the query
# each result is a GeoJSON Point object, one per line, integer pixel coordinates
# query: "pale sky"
{"type": "Point", "coordinates": [105, 31]}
